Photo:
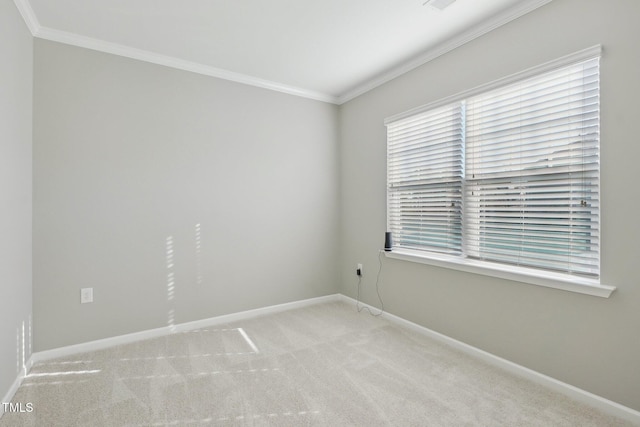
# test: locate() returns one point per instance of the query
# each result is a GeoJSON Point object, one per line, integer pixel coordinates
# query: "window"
{"type": "Point", "coordinates": [506, 174]}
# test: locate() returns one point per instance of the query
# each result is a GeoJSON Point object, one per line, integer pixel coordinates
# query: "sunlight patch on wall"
{"type": "Point", "coordinates": [198, 239]}
{"type": "Point", "coordinates": [171, 284]}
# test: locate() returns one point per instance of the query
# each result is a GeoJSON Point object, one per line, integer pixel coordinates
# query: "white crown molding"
{"type": "Point", "coordinates": [465, 37]}
{"type": "Point", "coordinates": [28, 15]}
{"type": "Point", "coordinates": [65, 37]}
{"type": "Point", "coordinates": [172, 62]}
{"type": "Point", "coordinates": [46, 33]}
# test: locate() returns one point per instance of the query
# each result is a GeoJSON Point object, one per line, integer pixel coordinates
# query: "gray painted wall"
{"type": "Point", "coordinates": [175, 196]}
{"type": "Point", "coordinates": [128, 155]}
{"type": "Point", "coordinates": [16, 51]}
{"type": "Point", "coordinates": [586, 341]}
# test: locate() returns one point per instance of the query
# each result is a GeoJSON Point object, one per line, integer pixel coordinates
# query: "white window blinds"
{"type": "Point", "coordinates": [509, 175]}
{"type": "Point", "coordinates": [532, 172]}
{"type": "Point", "coordinates": [424, 172]}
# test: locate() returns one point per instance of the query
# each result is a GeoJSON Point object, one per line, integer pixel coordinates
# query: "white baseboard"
{"type": "Point", "coordinates": [168, 330]}
{"type": "Point", "coordinates": [16, 384]}
{"type": "Point", "coordinates": [71, 350]}
{"type": "Point", "coordinates": [573, 392]}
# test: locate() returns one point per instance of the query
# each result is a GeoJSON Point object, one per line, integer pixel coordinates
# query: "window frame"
{"type": "Point", "coordinates": [536, 276]}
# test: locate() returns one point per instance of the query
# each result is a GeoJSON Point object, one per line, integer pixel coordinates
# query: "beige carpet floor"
{"type": "Point", "coordinates": [325, 365]}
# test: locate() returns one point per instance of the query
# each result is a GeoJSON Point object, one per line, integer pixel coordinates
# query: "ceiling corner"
{"type": "Point", "coordinates": [78, 40]}
{"type": "Point", "coordinates": [25, 9]}
{"type": "Point", "coordinates": [431, 54]}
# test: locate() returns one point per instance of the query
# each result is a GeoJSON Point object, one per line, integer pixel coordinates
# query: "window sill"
{"type": "Point", "coordinates": [519, 274]}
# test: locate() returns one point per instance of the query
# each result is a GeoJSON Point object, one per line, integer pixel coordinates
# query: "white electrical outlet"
{"type": "Point", "coordinates": [359, 268]}
{"type": "Point", "coordinates": [86, 295]}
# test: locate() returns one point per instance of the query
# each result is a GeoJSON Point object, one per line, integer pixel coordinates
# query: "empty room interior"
{"type": "Point", "coordinates": [398, 212]}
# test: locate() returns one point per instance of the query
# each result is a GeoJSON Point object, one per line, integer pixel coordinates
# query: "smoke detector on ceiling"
{"type": "Point", "coordinates": [438, 4]}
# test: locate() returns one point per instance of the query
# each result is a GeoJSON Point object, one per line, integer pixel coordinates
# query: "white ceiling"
{"type": "Point", "coordinates": [331, 50]}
